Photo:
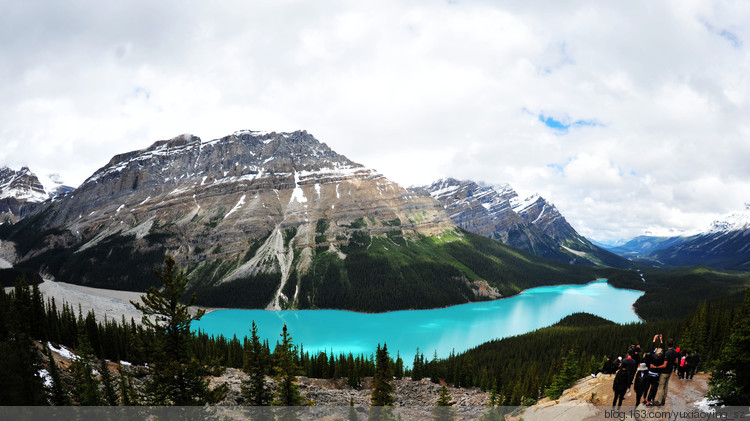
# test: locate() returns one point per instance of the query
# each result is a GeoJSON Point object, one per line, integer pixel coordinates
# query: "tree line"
{"type": "Point", "coordinates": [518, 370]}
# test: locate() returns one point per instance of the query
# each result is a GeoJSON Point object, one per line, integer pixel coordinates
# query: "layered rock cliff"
{"type": "Point", "coordinates": [273, 220]}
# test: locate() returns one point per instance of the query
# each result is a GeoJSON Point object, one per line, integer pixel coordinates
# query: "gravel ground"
{"type": "Point", "coordinates": [111, 303]}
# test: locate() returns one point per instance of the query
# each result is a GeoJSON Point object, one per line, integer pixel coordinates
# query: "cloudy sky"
{"type": "Point", "coordinates": [631, 117]}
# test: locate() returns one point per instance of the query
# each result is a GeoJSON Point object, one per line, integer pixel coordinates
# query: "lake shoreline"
{"type": "Point", "coordinates": [453, 328]}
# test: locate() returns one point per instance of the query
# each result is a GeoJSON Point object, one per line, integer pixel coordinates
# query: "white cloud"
{"type": "Point", "coordinates": [416, 90]}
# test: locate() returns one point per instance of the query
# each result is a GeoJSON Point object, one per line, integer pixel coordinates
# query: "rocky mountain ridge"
{"type": "Point", "coordinates": [532, 224]}
{"type": "Point", "coordinates": [270, 220]}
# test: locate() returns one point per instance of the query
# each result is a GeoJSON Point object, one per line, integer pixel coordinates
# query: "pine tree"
{"type": "Point", "coordinates": [566, 376]}
{"type": "Point", "coordinates": [86, 390]}
{"type": "Point", "coordinates": [417, 371]}
{"type": "Point", "coordinates": [398, 369]}
{"type": "Point", "coordinates": [176, 377]}
{"type": "Point", "coordinates": [110, 396]}
{"type": "Point", "coordinates": [128, 394]}
{"type": "Point", "coordinates": [254, 389]}
{"type": "Point", "coordinates": [494, 414]}
{"type": "Point", "coordinates": [382, 389]}
{"type": "Point", "coordinates": [354, 379]}
{"type": "Point", "coordinates": [730, 379]}
{"type": "Point", "coordinates": [443, 411]}
{"type": "Point", "coordinates": [38, 330]}
{"type": "Point", "coordinates": [287, 392]}
{"type": "Point", "coordinates": [20, 363]}
{"type": "Point", "coordinates": [59, 396]}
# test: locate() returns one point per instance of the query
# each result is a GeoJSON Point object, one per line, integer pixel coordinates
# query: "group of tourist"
{"type": "Point", "coordinates": [649, 374]}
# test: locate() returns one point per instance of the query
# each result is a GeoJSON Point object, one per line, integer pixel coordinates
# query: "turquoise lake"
{"type": "Point", "coordinates": [456, 328]}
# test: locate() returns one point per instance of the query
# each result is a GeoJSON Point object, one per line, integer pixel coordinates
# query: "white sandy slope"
{"type": "Point", "coordinates": [112, 303]}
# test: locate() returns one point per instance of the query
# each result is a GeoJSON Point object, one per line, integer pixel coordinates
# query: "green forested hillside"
{"type": "Point", "coordinates": [389, 272]}
{"type": "Point", "coordinates": [521, 369]}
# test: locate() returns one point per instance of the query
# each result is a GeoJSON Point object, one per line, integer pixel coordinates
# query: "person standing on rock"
{"type": "Point", "coordinates": [671, 358]}
{"type": "Point", "coordinates": [683, 364]}
{"type": "Point", "coordinates": [654, 361]}
{"type": "Point", "coordinates": [693, 365]}
{"type": "Point", "coordinates": [630, 365]}
{"type": "Point", "coordinates": [640, 382]}
{"type": "Point", "coordinates": [620, 385]}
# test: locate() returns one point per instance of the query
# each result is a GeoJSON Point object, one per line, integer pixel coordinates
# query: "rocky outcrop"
{"type": "Point", "coordinates": [415, 398]}
{"type": "Point", "coordinates": [591, 399]}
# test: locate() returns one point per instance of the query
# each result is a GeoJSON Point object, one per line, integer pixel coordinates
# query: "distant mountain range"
{"type": "Point", "coordinates": [272, 220]}
{"type": "Point", "coordinates": [279, 220]}
{"type": "Point", "coordinates": [723, 245]}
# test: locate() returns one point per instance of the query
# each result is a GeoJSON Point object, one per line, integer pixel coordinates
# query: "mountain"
{"type": "Point", "coordinates": [532, 224]}
{"type": "Point", "coordinates": [724, 245]}
{"type": "Point", "coordinates": [643, 245]}
{"type": "Point", "coordinates": [22, 191]}
{"type": "Point", "coordinates": [270, 220]}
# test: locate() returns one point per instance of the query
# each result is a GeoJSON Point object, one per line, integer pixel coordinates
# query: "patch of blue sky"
{"type": "Point", "coordinates": [727, 35]}
{"type": "Point", "coordinates": [732, 38]}
{"type": "Point", "coordinates": [557, 167]}
{"type": "Point", "coordinates": [141, 92]}
{"type": "Point", "coordinates": [563, 125]}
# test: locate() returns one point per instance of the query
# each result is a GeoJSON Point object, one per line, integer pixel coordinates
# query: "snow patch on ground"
{"type": "Point", "coordinates": [298, 194]}
{"type": "Point", "coordinates": [63, 352]}
{"type": "Point", "coordinates": [237, 206]}
{"type": "Point", "coordinates": [46, 377]}
{"type": "Point", "coordinates": [706, 405]}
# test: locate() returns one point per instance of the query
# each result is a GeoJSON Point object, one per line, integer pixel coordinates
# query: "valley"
{"type": "Point", "coordinates": [286, 232]}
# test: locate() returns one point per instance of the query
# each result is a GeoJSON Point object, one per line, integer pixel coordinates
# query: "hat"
{"type": "Point", "coordinates": [642, 367]}
{"type": "Point", "coordinates": [678, 349]}
{"type": "Point", "coordinates": [619, 358]}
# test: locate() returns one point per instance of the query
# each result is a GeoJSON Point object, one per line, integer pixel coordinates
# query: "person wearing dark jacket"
{"type": "Point", "coordinates": [654, 361]}
{"type": "Point", "coordinates": [607, 368]}
{"type": "Point", "coordinates": [620, 385]}
{"type": "Point", "coordinates": [640, 383]}
{"type": "Point", "coordinates": [694, 365]}
{"type": "Point", "coordinates": [630, 364]}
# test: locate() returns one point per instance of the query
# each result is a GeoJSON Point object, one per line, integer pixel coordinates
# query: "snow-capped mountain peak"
{"type": "Point", "coordinates": [734, 222]}
{"type": "Point", "coordinates": [22, 185]}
